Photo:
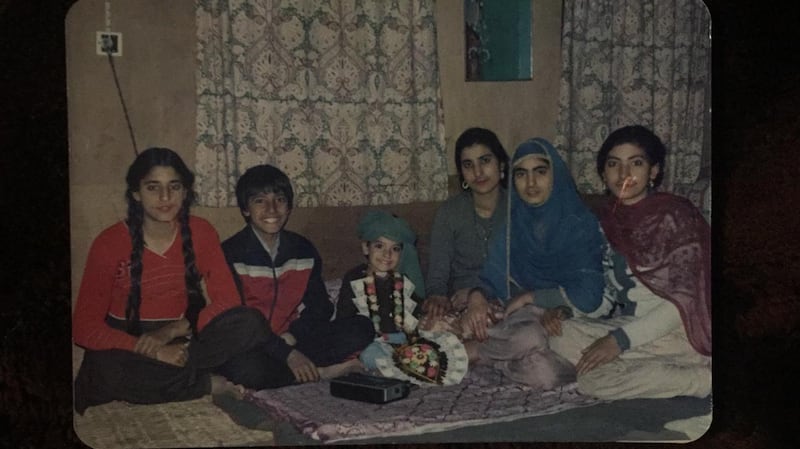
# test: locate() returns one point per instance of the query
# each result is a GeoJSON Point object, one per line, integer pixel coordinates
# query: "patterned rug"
{"type": "Point", "coordinates": [483, 397]}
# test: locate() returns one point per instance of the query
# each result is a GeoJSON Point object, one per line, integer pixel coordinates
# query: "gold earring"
{"type": "Point", "coordinates": [651, 184]}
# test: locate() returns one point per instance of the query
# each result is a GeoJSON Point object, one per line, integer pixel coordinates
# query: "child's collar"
{"type": "Point", "coordinates": [271, 251]}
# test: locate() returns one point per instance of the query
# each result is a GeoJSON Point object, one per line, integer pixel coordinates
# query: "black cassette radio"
{"type": "Point", "coordinates": [366, 388]}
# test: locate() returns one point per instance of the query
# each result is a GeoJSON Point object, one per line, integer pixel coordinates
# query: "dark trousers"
{"type": "Point", "coordinates": [109, 375]}
{"type": "Point", "coordinates": [329, 342]}
{"type": "Point", "coordinates": [335, 341]}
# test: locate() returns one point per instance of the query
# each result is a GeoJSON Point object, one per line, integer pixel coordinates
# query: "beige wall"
{"type": "Point", "coordinates": [156, 74]}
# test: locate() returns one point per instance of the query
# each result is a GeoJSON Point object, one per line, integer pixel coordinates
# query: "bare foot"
{"type": "Point", "coordinates": [472, 351]}
{"type": "Point", "coordinates": [340, 369]}
{"type": "Point", "coordinates": [220, 385]}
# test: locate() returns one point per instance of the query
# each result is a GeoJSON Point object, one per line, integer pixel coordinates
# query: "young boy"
{"type": "Point", "coordinates": [387, 289]}
{"type": "Point", "coordinates": [279, 272]}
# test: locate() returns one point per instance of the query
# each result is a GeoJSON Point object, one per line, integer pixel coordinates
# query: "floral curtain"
{"type": "Point", "coordinates": [641, 62]}
{"type": "Point", "coordinates": [342, 95]}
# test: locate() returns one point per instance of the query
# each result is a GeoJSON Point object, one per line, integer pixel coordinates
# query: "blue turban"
{"type": "Point", "coordinates": [377, 223]}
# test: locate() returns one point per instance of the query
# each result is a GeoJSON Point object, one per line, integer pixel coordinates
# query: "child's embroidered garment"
{"type": "Point", "coordinates": [424, 358]}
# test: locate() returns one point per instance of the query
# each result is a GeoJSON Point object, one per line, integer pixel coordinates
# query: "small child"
{"type": "Point", "coordinates": [387, 289]}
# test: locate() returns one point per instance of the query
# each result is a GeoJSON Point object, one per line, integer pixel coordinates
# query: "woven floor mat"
{"type": "Point", "coordinates": [197, 423]}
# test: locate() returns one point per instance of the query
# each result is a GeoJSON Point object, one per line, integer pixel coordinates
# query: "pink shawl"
{"type": "Point", "coordinates": [667, 244]}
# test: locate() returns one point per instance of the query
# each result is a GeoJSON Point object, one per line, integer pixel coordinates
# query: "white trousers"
{"type": "Point", "coordinates": [664, 368]}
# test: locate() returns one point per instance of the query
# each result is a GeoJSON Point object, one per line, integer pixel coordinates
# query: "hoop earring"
{"type": "Point", "coordinates": [464, 185]}
{"type": "Point", "coordinates": [651, 184]}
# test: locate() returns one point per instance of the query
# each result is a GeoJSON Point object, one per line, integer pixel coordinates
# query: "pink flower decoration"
{"type": "Point", "coordinates": [398, 285]}
{"type": "Point", "coordinates": [431, 372]}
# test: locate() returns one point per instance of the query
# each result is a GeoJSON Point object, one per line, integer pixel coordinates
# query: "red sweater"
{"type": "Point", "coordinates": [106, 283]}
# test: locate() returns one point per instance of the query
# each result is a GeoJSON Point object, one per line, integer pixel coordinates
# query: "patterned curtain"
{"type": "Point", "coordinates": [342, 95]}
{"type": "Point", "coordinates": [644, 62]}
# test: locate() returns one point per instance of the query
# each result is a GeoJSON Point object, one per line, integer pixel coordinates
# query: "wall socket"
{"type": "Point", "coordinates": [109, 42]}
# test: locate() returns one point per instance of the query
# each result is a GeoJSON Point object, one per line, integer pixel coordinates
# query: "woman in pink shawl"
{"type": "Point", "coordinates": [656, 343]}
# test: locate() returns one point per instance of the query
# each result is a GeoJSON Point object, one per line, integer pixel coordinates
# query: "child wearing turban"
{"type": "Point", "coordinates": [387, 289]}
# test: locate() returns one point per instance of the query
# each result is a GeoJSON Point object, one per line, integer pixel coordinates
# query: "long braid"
{"type": "Point", "coordinates": [144, 162]}
{"type": "Point", "coordinates": [135, 218]}
{"type": "Point", "coordinates": [195, 298]}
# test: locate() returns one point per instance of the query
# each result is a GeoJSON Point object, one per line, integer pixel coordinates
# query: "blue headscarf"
{"type": "Point", "coordinates": [555, 244]}
{"type": "Point", "coordinates": [377, 223]}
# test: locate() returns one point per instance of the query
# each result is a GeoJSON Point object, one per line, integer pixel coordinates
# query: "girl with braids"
{"type": "Point", "coordinates": [158, 311]}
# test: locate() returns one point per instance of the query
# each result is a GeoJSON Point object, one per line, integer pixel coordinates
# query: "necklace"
{"type": "Point", "coordinates": [397, 299]}
{"type": "Point", "coordinates": [483, 227]}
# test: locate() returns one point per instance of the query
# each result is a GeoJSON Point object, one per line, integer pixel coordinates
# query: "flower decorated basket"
{"type": "Point", "coordinates": [430, 358]}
